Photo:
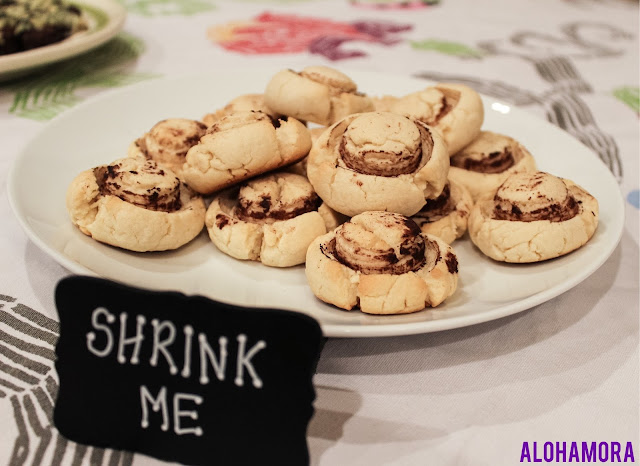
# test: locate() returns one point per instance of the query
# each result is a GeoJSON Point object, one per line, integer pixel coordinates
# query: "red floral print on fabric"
{"type": "Point", "coordinates": [394, 4]}
{"type": "Point", "coordinates": [273, 33]}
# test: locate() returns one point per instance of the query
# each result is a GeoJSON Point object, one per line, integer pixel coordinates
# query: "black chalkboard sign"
{"type": "Point", "coordinates": [183, 378]}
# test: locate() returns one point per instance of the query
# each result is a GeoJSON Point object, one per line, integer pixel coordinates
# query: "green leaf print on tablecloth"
{"type": "Point", "coordinates": [448, 48]}
{"type": "Point", "coordinates": [630, 96]}
{"type": "Point", "coordinates": [168, 7]}
{"type": "Point", "coordinates": [53, 90]}
{"type": "Point", "coordinates": [274, 1]}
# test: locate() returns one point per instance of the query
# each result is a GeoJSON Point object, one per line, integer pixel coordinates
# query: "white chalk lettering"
{"type": "Point", "coordinates": [207, 354]}
{"type": "Point", "coordinates": [245, 361]}
{"type": "Point", "coordinates": [136, 340]}
{"type": "Point", "coordinates": [165, 343]}
{"type": "Point", "coordinates": [91, 336]}
{"type": "Point", "coordinates": [178, 413]}
{"type": "Point", "coordinates": [186, 367]}
{"type": "Point", "coordinates": [161, 345]}
{"type": "Point", "coordinates": [160, 402]}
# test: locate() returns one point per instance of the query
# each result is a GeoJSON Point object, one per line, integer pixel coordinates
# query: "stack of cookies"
{"type": "Point", "coordinates": [368, 192]}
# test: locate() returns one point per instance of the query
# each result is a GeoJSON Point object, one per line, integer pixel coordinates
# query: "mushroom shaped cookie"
{"type": "Point", "coordinates": [533, 217]}
{"type": "Point", "coordinates": [241, 146]}
{"type": "Point", "coordinates": [168, 142]}
{"type": "Point", "coordinates": [136, 205]}
{"type": "Point", "coordinates": [318, 94]}
{"type": "Point", "coordinates": [446, 216]}
{"type": "Point", "coordinates": [455, 110]}
{"type": "Point", "coordinates": [378, 161]}
{"type": "Point", "coordinates": [243, 103]}
{"type": "Point", "coordinates": [383, 263]}
{"type": "Point", "coordinates": [271, 219]}
{"type": "Point", "coordinates": [487, 162]}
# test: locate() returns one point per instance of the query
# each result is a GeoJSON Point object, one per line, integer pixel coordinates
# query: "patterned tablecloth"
{"type": "Point", "coordinates": [564, 371]}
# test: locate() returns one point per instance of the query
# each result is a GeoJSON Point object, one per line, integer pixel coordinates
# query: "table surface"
{"type": "Point", "coordinates": [564, 371]}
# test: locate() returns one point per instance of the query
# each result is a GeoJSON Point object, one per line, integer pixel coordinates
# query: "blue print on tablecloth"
{"type": "Point", "coordinates": [633, 198]}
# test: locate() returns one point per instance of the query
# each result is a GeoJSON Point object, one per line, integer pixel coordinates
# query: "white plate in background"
{"type": "Point", "coordinates": [99, 131]}
{"type": "Point", "coordinates": [105, 19]}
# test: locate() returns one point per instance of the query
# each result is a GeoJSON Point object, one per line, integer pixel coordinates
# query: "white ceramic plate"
{"type": "Point", "coordinates": [100, 130]}
{"type": "Point", "coordinates": [105, 19]}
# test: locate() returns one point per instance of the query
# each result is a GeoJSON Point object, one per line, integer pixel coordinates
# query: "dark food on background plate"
{"type": "Point", "coordinates": [27, 24]}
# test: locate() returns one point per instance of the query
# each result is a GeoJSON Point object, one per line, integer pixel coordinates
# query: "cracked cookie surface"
{"type": "Point", "coordinates": [455, 110]}
{"type": "Point", "coordinates": [533, 217]}
{"type": "Point", "coordinates": [168, 142]}
{"type": "Point", "coordinates": [242, 103]}
{"type": "Point", "coordinates": [382, 263]}
{"type": "Point", "coordinates": [135, 204]}
{"type": "Point", "coordinates": [487, 162]}
{"type": "Point", "coordinates": [241, 146]}
{"type": "Point", "coordinates": [271, 219]}
{"type": "Point", "coordinates": [378, 161]}
{"type": "Point", "coordinates": [318, 94]}
{"type": "Point", "coordinates": [446, 216]}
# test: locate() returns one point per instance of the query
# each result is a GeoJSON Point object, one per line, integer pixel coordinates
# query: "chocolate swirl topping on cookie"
{"type": "Point", "coordinates": [384, 144]}
{"type": "Point", "coordinates": [437, 208]}
{"type": "Point", "coordinates": [493, 162]}
{"type": "Point", "coordinates": [448, 100]}
{"type": "Point", "coordinates": [278, 197]}
{"type": "Point", "coordinates": [489, 153]}
{"type": "Point", "coordinates": [528, 197]}
{"type": "Point", "coordinates": [140, 182]}
{"type": "Point", "coordinates": [171, 138]}
{"type": "Point", "coordinates": [380, 242]}
{"type": "Point", "coordinates": [429, 105]}
{"type": "Point", "coordinates": [277, 121]}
